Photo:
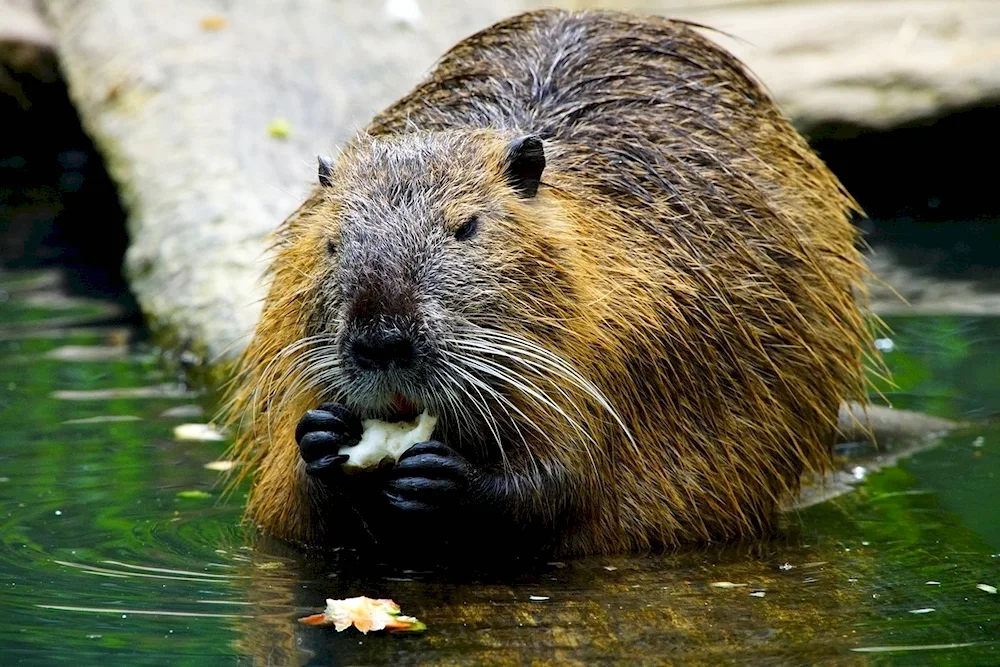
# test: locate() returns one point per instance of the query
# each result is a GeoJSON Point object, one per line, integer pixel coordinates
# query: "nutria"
{"type": "Point", "coordinates": [592, 246]}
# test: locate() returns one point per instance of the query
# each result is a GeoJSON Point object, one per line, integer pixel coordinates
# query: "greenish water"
{"type": "Point", "coordinates": [101, 561]}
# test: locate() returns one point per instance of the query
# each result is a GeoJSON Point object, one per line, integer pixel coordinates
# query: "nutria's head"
{"type": "Point", "coordinates": [427, 238]}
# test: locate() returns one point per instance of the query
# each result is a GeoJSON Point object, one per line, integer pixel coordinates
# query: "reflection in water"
{"type": "Point", "coordinates": [105, 553]}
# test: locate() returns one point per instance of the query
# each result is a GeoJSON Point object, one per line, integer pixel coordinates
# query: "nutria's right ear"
{"type": "Point", "coordinates": [525, 159]}
{"type": "Point", "coordinates": [325, 170]}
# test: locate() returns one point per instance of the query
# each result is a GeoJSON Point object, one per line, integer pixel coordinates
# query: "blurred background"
{"type": "Point", "coordinates": [188, 129]}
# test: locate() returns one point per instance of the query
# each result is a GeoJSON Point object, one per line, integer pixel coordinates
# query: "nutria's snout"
{"type": "Point", "coordinates": [381, 350]}
{"type": "Point", "coordinates": [386, 346]}
{"type": "Point", "coordinates": [384, 360]}
{"type": "Point", "coordinates": [384, 338]}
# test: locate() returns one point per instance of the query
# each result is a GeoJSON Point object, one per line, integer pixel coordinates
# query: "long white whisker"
{"type": "Point", "coordinates": [587, 437]}
{"type": "Point", "coordinates": [515, 344]}
{"type": "Point", "coordinates": [302, 372]}
{"type": "Point", "coordinates": [541, 369]}
{"type": "Point", "coordinates": [265, 379]}
{"type": "Point", "coordinates": [505, 404]}
{"type": "Point", "coordinates": [525, 386]}
{"type": "Point", "coordinates": [486, 415]}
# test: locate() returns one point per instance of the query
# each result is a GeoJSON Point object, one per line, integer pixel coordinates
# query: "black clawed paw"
{"type": "Point", "coordinates": [321, 433]}
{"type": "Point", "coordinates": [429, 476]}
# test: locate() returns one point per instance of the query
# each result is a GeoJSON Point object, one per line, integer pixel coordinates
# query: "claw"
{"type": "Point", "coordinates": [326, 464]}
{"type": "Point", "coordinates": [322, 433]}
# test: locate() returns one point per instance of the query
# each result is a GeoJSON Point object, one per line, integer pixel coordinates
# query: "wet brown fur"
{"type": "Point", "coordinates": [687, 253]}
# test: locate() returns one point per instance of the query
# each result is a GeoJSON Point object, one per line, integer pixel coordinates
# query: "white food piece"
{"type": "Point", "coordinates": [384, 440]}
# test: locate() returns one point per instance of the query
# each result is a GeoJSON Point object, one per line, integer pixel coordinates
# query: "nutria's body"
{"type": "Point", "coordinates": [685, 257]}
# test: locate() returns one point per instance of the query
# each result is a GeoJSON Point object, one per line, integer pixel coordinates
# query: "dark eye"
{"type": "Point", "coordinates": [331, 246]}
{"type": "Point", "coordinates": [468, 229]}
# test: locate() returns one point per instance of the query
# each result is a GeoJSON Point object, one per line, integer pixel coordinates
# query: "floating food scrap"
{"type": "Point", "coordinates": [200, 432]}
{"type": "Point", "coordinates": [992, 590]}
{"type": "Point", "coordinates": [270, 565]}
{"type": "Point", "coordinates": [220, 466]}
{"type": "Point", "coordinates": [727, 584]}
{"type": "Point", "coordinates": [366, 614]}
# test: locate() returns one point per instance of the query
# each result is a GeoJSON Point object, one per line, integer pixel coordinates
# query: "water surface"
{"type": "Point", "coordinates": [103, 561]}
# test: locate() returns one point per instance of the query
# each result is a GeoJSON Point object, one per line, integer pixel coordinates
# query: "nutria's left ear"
{"type": "Point", "coordinates": [525, 159]}
{"type": "Point", "coordinates": [325, 171]}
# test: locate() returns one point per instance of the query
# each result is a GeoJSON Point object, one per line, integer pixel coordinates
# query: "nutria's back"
{"type": "Point", "coordinates": [682, 288]}
{"type": "Point", "coordinates": [641, 107]}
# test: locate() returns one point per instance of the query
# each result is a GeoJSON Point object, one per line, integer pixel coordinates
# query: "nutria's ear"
{"type": "Point", "coordinates": [525, 162]}
{"type": "Point", "coordinates": [325, 169]}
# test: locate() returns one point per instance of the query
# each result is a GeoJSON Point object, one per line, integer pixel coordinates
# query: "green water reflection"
{"type": "Point", "coordinates": [102, 562]}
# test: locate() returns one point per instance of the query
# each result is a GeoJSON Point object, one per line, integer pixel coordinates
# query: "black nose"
{"type": "Point", "coordinates": [380, 350]}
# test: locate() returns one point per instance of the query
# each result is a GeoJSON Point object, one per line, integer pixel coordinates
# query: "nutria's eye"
{"type": "Point", "coordinates": [331, 247]}
{"type": "Point", "coordinates": [468, 229]}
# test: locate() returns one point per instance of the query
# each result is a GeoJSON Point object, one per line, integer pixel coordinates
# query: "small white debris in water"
{"type": "Point", "coordinates": [183, 411]}
{"type": "Point", "coordinates": [786, 567]}
{"type": "Point", "coordinates": [610, 568]}
{"type": "Point", "coordinates": [199, 432]}
{"type": "Point", "coordinates": [992, 590]}
{"type": "Point", "coordinates": [865, 544]}
{"type": "Point", "coordinates": [538, 598]}
{"type": "Point", "coordinates": [924, 610]}
{"type": "Point", "coordinates": [103, 419]}
{"type": "Point", "coordinates": [190, 358]}
{"type": "Point", "coordinates": [978, 442]}
{"type": "Point", "coordinates": [884, 344]}
{"type": "Point", "coordinates": [727, 584]}
{"type": "Point", "coordinates": [58, 512]}
{"type": "Point", "coordinates": [932, 583]}
{"type": "Point", "coordinates": [403, 12]}
{"type": "Point", "coordinates": [757, 594]}
{"type": "Point", "coordinates": [220, 466]}
{"type": "Point", "coordinates": [859, 472]}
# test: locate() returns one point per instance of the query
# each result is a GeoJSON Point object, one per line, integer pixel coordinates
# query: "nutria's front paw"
{"type": "Point", "coordinates": [429, 477]}
{"type": "Point", "coordinates": [322, 433]}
